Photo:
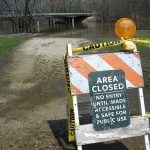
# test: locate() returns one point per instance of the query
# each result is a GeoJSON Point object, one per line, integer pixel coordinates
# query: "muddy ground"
{"type": "Point", "coordinates": [33, 99]}
{"type": "Point", "coordinates": [33, 94]}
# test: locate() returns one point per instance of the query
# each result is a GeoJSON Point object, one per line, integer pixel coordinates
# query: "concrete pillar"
{"type": "Point", "coordinates": [38, 26]}
{"type": "Point", "coordinates": [53, 22]}
{"type": "Point", "coordinates": [73, 22]}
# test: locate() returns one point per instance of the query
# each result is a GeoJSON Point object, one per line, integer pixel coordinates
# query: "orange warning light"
{"type": "Point", "coordinates": [125, 28]}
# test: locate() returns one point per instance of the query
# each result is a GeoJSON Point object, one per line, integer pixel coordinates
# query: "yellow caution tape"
{"type": "Point", "coordinates": [97, 46]}
{"type": "Point", "coordinates": [147, 114]}
{"type": "Point", "coordinates": [92, 47]}
{"type": "Point", "coordinates": [141, 41]}
{"type": "Point", "coordinates": [70, 111]}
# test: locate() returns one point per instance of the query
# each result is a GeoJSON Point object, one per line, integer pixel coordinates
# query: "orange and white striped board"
{"type": "Point", "coordinates": [81, 65]}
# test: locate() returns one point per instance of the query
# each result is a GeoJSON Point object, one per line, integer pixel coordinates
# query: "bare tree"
{"type": "Point", "coordinates": [21, 11]}
{"type": "Point", "coordinates": [107, 10]}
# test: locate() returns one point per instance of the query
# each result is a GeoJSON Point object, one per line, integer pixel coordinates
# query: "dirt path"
{"type": "Point", "coordinates": [33, 92]}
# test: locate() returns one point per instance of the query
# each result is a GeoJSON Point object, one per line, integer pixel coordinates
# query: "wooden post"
{"type": "Point", "coordinates": [49, 23]}
{"type": "Point", "coordinates": [12, 23]}
{"type": "Point", "coordinates": [38, 26]}
{"type": "Point", "coordinates": [17, 29]}
{"type": "Point", "coordinates": [73, 22]}
{"type": "Point", "coordinates": [4, 26]}
{"type": "Point", "coordinates": [53, 22]}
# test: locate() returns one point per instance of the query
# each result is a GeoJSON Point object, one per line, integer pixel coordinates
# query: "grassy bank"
{"type": "Point", "coordinates": [7, 43]}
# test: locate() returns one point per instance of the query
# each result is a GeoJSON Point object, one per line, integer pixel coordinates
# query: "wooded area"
{"type": "Point", "coordinates": [109, 10]}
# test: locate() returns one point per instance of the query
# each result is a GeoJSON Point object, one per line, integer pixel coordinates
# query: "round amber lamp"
{"type": "Point", "coordinates": [125, 28]}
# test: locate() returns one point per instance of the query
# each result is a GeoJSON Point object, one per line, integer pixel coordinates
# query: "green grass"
{"type": "Point", "coordinates": [6, 44]}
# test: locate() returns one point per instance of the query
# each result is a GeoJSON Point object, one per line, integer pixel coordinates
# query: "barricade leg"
{"type": "Point", "coordinates": [70, 110]}
{"type": "Point", "coordinates": [146, 140]}
{"type": "Point", "coordinates": [142, 107]}
{"type": "Point", "coordinates": [74, 98]}
{"type": "Point", "coordinates": [79, 147]}
{"type": "Point", "coordinates": [71, 121]}
{"type": "Point", "coordinates": [76, 115]}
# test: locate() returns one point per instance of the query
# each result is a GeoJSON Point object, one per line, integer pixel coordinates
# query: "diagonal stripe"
{"type": "Point", "coordinates": [77, 63]}
{"type": "Point", "coordinates": [130, 74]}
{"type": "Point", "coordinates": [75, 89]}
{"type": "Point", "coordinates": [129, 84]}
{"type": "Point", "coordinates": [78, 81]}
{"type": "Point", "coordinates": [100, 65]}
{"type": "Point", "coordinates": [132, 61]}
{"type": "Point", "coordinates": [97, 63]}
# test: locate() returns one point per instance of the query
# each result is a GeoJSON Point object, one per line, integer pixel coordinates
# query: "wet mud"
{"type": "Point", "coordinates": [32, 92]}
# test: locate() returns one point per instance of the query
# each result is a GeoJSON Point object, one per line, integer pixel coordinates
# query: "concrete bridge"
{"type": "Point", "coordinates": [53, 18]}
{"type": "Point", "coordinates": [67, 17]}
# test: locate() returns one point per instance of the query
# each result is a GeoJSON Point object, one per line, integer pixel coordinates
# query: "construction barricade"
{"type": "Point", "coordinates": [107, 77]}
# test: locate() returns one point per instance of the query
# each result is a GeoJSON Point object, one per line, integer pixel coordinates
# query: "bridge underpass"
{"type": "Point", "coordinates": [53, 18]}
